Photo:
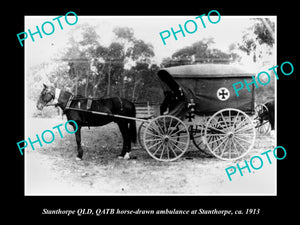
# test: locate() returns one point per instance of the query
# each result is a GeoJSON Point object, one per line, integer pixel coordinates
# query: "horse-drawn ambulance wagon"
{"type": "Point", "coordinates": [200, 105]}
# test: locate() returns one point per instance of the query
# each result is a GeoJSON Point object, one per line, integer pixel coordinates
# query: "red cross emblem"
{"type": "Point", "coordinates": [223, 94]}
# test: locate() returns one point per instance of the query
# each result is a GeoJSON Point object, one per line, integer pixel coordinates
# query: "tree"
{"type": "Point", "coordinates": [79, 56]}
{"type": "Point", "coordinates": [260, 33]}
{"type": "Point", "coordinates": [198, 52]}
{"type": "Point", "coordinates": [111, 65]}
{"type": "Point", "coordinates": [144, 84]}
{"type": "Point", "coordinates": [106, 71]}
{"type": "Point", "coordinates": [265, 30]}
{"type": "Point", "coordinates": [138, 54]}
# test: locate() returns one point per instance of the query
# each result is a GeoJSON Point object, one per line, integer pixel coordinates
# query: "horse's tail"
{"type": "Point", "coordinates": [132, 127]}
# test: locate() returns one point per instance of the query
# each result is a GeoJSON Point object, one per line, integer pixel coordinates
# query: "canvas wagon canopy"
{"type": "Point", "coordinates": [210, 86]}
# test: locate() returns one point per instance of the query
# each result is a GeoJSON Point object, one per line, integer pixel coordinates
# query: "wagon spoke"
{"type": "Point", "coordinates": [236, 118]}
{"type": "Point", "coordinates": [220, 144]}
{"type": "Point", "coordinates": [158, 149]}
{"type": "Point", "coordinates": [213, 128]}
{"type": "Point", "coordinates": [218, 140]}
{"type": "Point", "coordinates": [159, 127]}
{"type": "Point", "coordinates": [168, 152]}
{"type": "Point", "coordinates": [169, 144]}
{"type": "Point", "coordinates": [214, 135]}
{"type": "Point", "coordinates": [240, 144]}
{"type": "Point", "coordinates": [229, 150]}
{"type": "Point", "coordinates": [162, 152]}
{"type": "Point", "coordinates": [170, 133]}
{"type": "Point", "coordinates": [243, 139]}
{"type": "Point", "coordinates": [170, 124]}
{"type": "Point", "coordinates": [221, 138]}
{"type": "Point", "coordinates": [174, 144]}
{"type": "Point", "coordinates": [245, 134]}
{"type": "Point", "coordinates": [218, 122]}
{"type": "Point", "coordinates": [235, 149]}
{"type": "Point", "coordinates": [155, 139]}
{"type": "Point", "coordinates": [153, 145]}
{"type": "Point", "coordinates": [165, 126]}
{"type": "Point", "coordinates": [224, 147]}
{"type": "Point", "coordinates": [173, 134]}
{"type": "Point", "coordinates": [176, 141]}
{"type": "Point", "coordinates": [225, 122]}
{"type": "Point", "coordinates": [153, 129]}
{"type": "Point", "coordinates": [151, 134]}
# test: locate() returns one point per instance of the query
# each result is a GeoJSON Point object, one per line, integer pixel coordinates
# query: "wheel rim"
{"type": "Point", "coordinates": [230, 134]}
{"type": "Point", "coordinates": [141, 134]}
{"type": "Point", "coordinates": [197, 131]}
{"type": "Point", "coordinates": [264, 126]}
{"type": "Point", "coordinates": [166, 138]}
{"type": "Point", "coordinates": [260, 109]}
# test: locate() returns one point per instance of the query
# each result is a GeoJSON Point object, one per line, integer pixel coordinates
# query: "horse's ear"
{"type": "Point", "coordinates": [45, 86]}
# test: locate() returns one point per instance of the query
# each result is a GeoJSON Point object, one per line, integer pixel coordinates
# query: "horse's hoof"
{"type": "Point", "coordinates": [127, 156]}
{"type": "Point", "coordinates": [78, 159]}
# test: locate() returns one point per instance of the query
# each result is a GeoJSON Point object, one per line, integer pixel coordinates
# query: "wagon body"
{"type": "Point", "coordinates": [210, 86]}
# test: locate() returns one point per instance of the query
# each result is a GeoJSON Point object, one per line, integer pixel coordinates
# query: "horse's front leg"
{"type": "Point", "coordinates": [126, 140]}
{"type": "Point", "coordinates": [78, 141]}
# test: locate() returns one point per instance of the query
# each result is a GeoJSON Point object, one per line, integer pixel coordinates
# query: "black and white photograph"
{"type": "Point", "coordinates": [150, 105]}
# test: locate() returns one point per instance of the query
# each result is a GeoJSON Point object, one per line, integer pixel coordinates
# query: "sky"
{"type": "Point", "coordinates": [228, 30]}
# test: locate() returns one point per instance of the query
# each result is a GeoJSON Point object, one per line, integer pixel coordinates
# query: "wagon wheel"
{"type": "Point", "coordinates": [166, 138]}
{"type": "Point", "coordinates": [263, 127]}
{"type": "Point", "coordinates": [230, 134]}
{"type": "Point", "coordinates": [141, 134]}
{"type": "Point", "coordinates": [259, 109]}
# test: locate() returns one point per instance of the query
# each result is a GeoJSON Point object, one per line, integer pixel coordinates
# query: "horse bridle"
{"type": "Point", "coordinates": [55, 97]}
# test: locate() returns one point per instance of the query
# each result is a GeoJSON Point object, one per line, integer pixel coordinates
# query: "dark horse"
{"type": "Point", "coordinates": [116, 106]}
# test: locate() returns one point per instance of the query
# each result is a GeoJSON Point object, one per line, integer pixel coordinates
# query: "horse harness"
{"type": "Point", "coordinates": [121, 103]}
{"type": "Point", "coordinates": [56, 96]}
{"type": "Point", "coordinates": [89, 103]}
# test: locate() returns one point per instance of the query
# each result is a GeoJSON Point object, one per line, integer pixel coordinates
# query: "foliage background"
{"type": "Point", "coordinates": [126, 65]}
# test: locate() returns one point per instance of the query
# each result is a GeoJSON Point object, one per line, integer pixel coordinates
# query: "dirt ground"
{"type": "Point", "coordinates": [54, 170]}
